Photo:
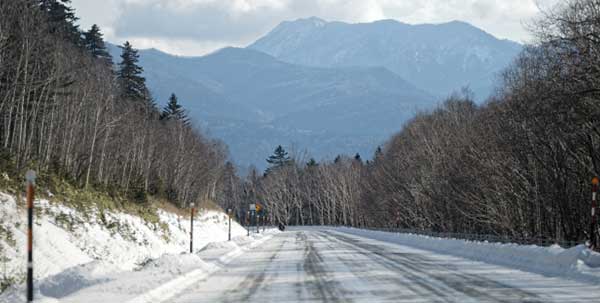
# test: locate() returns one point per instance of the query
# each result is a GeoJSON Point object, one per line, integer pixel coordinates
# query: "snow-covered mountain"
{"type": "Point", "coordinates": [439, 58]}
{"type": "Point", "coordinates": [254, 102]}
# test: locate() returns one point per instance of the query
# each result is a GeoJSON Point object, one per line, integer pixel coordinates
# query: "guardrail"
{"type": "Point", "coordinates": [482, 237]}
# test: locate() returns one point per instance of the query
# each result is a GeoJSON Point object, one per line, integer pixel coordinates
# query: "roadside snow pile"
{"type": "Point", "coordinates": [76, 278]}
{"type": "Point", "coordinates": [167, 290]}
{"type": "Point", "coordinates": [86, 247]}
{"type": "Point", "coordinates": [174, 264]}
{"type": "Point", "coordinates": [576, 263]}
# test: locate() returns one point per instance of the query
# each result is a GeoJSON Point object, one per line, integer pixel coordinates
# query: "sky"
{"type": "Point", "coordinates": [198, 27]}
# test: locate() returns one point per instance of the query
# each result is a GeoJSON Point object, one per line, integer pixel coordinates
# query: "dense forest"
{"type": "Point", "coordinates": [67, 111]}
{"type": "Point", "coordinates": [518, 165]}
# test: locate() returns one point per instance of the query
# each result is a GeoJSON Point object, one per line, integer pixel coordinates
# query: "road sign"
{"type": "Point", "coordinates": [252, 207]}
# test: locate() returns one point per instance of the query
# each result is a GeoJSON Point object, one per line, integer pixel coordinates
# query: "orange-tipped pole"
{"type": "Point", "coordinates": [30, 177]}
{"type": "Point", "coordinates": [593, 226]}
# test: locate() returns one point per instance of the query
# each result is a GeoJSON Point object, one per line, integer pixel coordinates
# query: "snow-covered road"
{"type": "Point", "coordinates": [331, 266]}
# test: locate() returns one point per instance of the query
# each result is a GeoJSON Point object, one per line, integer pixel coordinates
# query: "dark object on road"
{"type": "Point", "coordinates": [281, 227]}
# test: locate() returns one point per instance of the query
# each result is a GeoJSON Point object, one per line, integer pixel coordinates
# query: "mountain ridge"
{"type": "Point", "coordinates": [254, 102]}
{"type": "Point", "coordinates": [439, 58]}
{"type": "Point", "coordinates": [256, 99]}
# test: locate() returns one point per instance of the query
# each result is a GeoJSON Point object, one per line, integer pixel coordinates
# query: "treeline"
{"type": "Point", "coordinates": [65, 109]}
{"type": "Point", "coordinates": [519, 165]}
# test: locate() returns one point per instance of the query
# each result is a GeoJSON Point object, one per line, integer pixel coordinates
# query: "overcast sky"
{"type": "Point", "coordinates": [196, 27]}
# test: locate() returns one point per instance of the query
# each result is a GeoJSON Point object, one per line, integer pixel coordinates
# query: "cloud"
{"type": "Point", "coordinates": [195, 27]}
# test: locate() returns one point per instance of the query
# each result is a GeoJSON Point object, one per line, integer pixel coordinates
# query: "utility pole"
{"type": "Point", "coordinates": [30, 176]}
{"type": "Point", "coordinates": [192, 227]}
{"type": "Point", "coordinates": [593, 227]}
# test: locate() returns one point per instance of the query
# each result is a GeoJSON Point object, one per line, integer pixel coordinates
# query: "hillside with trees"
{"type": "Point", "coordinates": [68, 113]}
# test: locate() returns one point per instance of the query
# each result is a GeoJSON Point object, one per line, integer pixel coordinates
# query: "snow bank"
{"type": "Point", "coordinates": [75, 278]}
{"type": "Point", "coordinates": [174, 264]}
{"type": "Point", "coordinates": [577, 263]}
{"type": "Point", "coordinates": [73, 250]}
{"type": "Point", "coordinates": [180, 282]}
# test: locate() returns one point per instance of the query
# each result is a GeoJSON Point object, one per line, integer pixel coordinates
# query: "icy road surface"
{"type": "Point", "coordinates": [329, 266]}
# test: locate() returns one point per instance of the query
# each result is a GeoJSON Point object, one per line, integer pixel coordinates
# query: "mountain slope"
{"type": "Point", "coordinates": [254, 102]}
{"type": "Point", "coordinates": [437, 58]}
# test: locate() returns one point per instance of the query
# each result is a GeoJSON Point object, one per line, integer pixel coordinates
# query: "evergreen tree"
{"type": "Point", "coordinates": [357, 158]}
{"type": "Point", "coordinates": [132, 84]}
{"type": "Point", "coordinates": [377, 157]}
{"type": "Point", "coordinates": [62, 19]}
{"type": "Point", "coordinates": [94, 42]}
{"type": "Point", "coordinates": [279, 158]}
{"type": "Point", "coordinates": [312, 163]}
{"type": "Point", "coordinates": [174, 111]}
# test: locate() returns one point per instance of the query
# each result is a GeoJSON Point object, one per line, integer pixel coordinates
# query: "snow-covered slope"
{"type": "Point", "coordinates": [65, 238]}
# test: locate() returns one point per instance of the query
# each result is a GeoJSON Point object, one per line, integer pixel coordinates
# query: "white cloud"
{"type": "Point", "coordinates": [195, 27]}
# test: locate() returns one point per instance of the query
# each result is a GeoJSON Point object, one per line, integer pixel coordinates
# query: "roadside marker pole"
{"type": "Point", "coordinates": [30, 176]}
{"type": "Point", "coordinates": [257, 223]}
{"type": "Point", "coordinates": [593, 232]}
{"type": "Point", "coordinates": [192, 227]}
{"type": "Point", "coordinates": [248, 222]}
{"type": "Point", "coordinates": [229, 212]}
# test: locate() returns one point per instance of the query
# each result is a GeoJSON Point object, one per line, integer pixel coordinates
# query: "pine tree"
{"type": "Point", "coordinates": [174, 111]}
{"type": "Point", "coordinates": [62, 19]}
{"type": "Point", "coordinates": [378, 154]}
{"type": "Point", "coordinates": [279, 158]}
{"type": "Point", "coordinates": [312, 163]}
{"type": "Point", "coordinates": [94, 42]}
{"type": "Point", "coordinates": [133, 85]}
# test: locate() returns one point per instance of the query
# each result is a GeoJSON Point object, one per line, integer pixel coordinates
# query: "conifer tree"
{"type": "Point", "coordinates": [94, 42]}
{"type": "Point", "coordinates": [378, 154]}
{"type": "Point", "coordinates": [62, 19]}
{"type": "Point", "coordinates": [132, 84]}
{"type": "Point", "coordinates": [279, 158]}
{"type": "Point", "coordinates": [174, 111]}
{"type": "Point", "coordinates": [312, 163]}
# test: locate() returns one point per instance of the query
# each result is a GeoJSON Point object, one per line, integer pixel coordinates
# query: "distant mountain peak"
{"type": "Point", "coordinates": [439, 58]}
{"type": "Point", "coordinates": [236, 53]}
{"type": "Point", "coordinates": [309, 22]}
{"type": "Point", "coordinates": [316, 21]}
{"type": "Point", "coordinates": [386, 21]}
{"type": "Point", "coordinates": [458, 23]}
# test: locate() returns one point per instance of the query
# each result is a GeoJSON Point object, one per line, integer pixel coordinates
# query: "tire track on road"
{"type": "Point", "coordinates": [244, 291]}
{"type": "Point", "coordinates": [321, 281]}
{"type": "Point", "coordinates": [362, 272]}
{"type": "Point", "coordinates": [410, 264]}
